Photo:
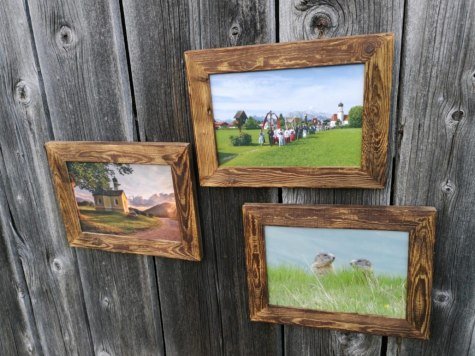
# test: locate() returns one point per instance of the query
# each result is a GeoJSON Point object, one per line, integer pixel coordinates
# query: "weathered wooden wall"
{"type": "Point", "coordinates": [113, 70]}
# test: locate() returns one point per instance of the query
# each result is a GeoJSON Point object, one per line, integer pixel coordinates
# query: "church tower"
{"type": "Point", "coordinates": [340, 115]}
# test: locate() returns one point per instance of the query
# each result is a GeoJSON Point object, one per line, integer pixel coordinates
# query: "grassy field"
{"type": "Point", "coordinates": [112, 222]}
{"type": "Point", "coordinates": [344, 291]}
{"type": "Point", "coordinates": [338, 147]}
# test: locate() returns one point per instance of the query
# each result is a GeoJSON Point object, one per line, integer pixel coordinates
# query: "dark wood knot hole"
{"type": "Point", "coordinates": [457, 115]}
{"type": "Point", "coordinates": [321, 23]}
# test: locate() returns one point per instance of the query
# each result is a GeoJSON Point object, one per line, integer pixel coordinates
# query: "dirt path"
{"type": "Point", "coordinates": [169, 230]}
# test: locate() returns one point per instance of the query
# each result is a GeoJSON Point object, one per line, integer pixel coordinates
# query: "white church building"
{"type": "Point", "coordinates": [339, 118]}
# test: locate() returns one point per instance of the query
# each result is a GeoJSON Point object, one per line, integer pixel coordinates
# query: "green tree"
{"type": "Point", "coordinates": [356, 115]}
{"type": "Point", "coordinates": [251, 124]}
{"type": "Point", "coordinates": [94, 176]}
{"type": "Point", "coordinates": [281, 120]}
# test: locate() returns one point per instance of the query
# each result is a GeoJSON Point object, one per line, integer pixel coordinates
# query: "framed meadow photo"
{"type": "Point", "coordinates": [127, 197]}
{"type": "Point", "coordinates": [303, 114]}
{"type": "Point", "coordinates": [355, 268]}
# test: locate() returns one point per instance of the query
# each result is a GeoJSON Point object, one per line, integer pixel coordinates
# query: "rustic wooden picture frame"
{"type": "Point", "coordinates": [176, 155]}
{"type": "Point", "coordinates": [419, 222]}
{"type": "Point", "coordinates": [374, 51]}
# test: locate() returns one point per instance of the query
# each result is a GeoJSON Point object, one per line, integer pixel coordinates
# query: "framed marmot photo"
{"type": "Point", "coordinates": [127, 197]}
{"type": "Point", "coordinates": [306, 114]}
{"type": "Point", "coordinates": [355, 268]}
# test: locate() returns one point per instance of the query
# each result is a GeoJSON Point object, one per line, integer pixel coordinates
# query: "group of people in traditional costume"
{"type": "Point", "coordinates": [282, 137]}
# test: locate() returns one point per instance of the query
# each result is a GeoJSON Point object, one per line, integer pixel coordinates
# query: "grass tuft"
{"type": "Point", "coordinates": [346, 290]}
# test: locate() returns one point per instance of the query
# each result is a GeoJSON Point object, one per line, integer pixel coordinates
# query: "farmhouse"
{"type": "Point", "coordinates": [220, 124]}
{"type": "Point", "coordinates": [115, 199]}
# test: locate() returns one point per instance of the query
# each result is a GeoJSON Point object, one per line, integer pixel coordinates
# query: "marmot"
{"type": "Point", "coordinates": [362, 264]}
{"type": "Point", "coordinates": [322, 264]}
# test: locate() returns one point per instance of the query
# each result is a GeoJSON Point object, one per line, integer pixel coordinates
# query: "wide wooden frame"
{"type": "Point", "coordinates": [176, 155]}
{"type": "Point", "coordinates": [375, 51]}
{"type": "Point", "coordinates": [418, 221]}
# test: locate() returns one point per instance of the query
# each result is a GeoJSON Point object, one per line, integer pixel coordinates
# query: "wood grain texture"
{"type": "Point", "coordinates": [82, 60]}
{"type": "Point", "coordinates": [18, 332]}
{"type": "Point", "coordinates": [81, 50]}
{"type": "Point", "coordinates": [419, 222]}
{"type": "Point", "coordinates": [43, 268]}
{"type": "Point", "coordinates": [304, 20]}
{"type": "Point", "coordinates": [375, 51]}
{"type": "Point", "coordinates": [176, 155]}
{"type": "Point", "coordinates": [209, 297]}
{"type": "Point", "coordinates": [435, 162]}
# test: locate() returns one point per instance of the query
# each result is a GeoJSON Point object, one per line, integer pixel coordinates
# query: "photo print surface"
{"type": "Point", "coordinates": [307, 117]}
{"type": "Point", "coordinates": [125, 199]}
{"type": "Point", "coordinates": [338, 270]}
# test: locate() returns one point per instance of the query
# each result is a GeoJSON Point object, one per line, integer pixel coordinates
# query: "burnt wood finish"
{"type": "Point", "coordinates": [375, 51]}
{"type": "Point", "coordinates": [419, 222]}
{"type": "Point", "coordinates": [176, 155]}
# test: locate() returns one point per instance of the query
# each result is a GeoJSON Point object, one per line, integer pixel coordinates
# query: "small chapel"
{"type": "Point", "coordinates": [111, 199]}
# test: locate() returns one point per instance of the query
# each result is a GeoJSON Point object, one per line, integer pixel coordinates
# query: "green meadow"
{"type": "Point", "coordinates": [337, 147]}
{"type": "Point", "coordinates": [113, 222]}
{"type": "Point", "coordinates": [346, 290]}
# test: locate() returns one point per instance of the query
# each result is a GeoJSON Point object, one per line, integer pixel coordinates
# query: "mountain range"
{"type": "Point", "coordinates": [153, 200]}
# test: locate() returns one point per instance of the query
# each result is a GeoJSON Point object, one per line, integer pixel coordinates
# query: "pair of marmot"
{"type": "Point", "coordinates": [323, 264]}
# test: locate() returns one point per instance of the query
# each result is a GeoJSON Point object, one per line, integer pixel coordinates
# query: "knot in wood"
{"type": "Point", "coordinates": [448, 187]}
{"type": "Point", "coordinates": [349, 339]}
{"type": "Point", "coordinates": [369, 48]}
{"type": "Point", "coordinates": [65, 37]}
{"type": "Point", "coordinates": [23, 93]}
{"type": "Point", "coordinates": [103, 353]}
{"type": "Point", "coordinates": [458, 115]}
{"type": "Point", "coordinates": [321, 23]}
{"type": "Point", "coordinates": [106, 302]}
{"type": "Point", "coordinates": [442, 298]}
{"type": "Point", "coordinates": [57, 266]}
{"type": "Point", "coordinates": [235, 33]}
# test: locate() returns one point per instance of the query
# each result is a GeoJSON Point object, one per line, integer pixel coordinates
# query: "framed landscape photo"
{"type": "Point", "coordinates": [304, 114]}
{"type": "Point", "coordinates": [127, 197]}
{"type": "Point", "coordinates": [355, 268]}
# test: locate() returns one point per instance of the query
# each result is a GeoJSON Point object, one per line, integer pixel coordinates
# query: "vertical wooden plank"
{"type": "Point", "coordinates": [82, 57]}
{"type": "Point", "coordinates": [210, 297]}
{"type": "Point", "coordinates": [41, 267]}
{"type": "Point", "coordinates": [83, 63]}
{"type": "Point", "coordinates": [300, 20]}
{"type": "Point", "coordinates": [435, 164]}
{"type": "Point", "coordinates": [18, 333]}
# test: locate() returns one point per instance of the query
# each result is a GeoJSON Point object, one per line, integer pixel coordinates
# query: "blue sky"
{"type": "Point", "coordinates": [387, 250]}
{"type": "Point", "coordinates": [317, 89]}
{"type": "Point", "coordinates": [145, 181]}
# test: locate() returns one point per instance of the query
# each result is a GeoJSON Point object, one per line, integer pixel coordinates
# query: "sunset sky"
{"type": "Point", "coordinates": [317, 89]}
{"type": "Point", "coordinates": [145, 181]}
